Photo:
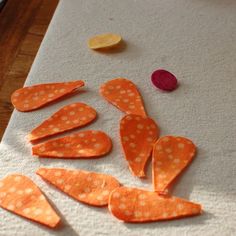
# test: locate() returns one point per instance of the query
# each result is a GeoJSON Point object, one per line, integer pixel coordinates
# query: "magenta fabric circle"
{"type": "Point", "coordinates": [164, 80]}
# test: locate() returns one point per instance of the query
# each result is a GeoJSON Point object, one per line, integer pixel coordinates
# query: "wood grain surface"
{"type": "Point", "coordinates": [22, 28]}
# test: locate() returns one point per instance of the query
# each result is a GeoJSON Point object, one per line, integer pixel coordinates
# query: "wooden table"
{"type": "Point", "coordinates": [22, 28]}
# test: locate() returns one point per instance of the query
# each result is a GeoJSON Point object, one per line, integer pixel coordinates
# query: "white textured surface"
{"type": "Point", "coordinates": [193, 39]}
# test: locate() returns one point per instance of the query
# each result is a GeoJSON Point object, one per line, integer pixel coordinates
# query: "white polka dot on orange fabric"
{"type": "Point", "coordinates": [38, 211]}
{"type": "Point", "coordinates": [20, 192]}
{"type": "Point", "coordinates": [26, 210]}
{"type": "Point", "coordinates": [137, 214]}
{"type": "Point", "coordinates": [132, 145]}
{"type": "Point", "coordinates": [180, 145]}
{"type": "Point", "coordinates": [100, 198]}
{"type": "Point", "coordinates": [142, 203]}
{"type": "Point", "coordinates": [168, 150]}
{"type": "Point", "coordinates": [87, 190]}
{"type": "Point", "coordinates": [57, 173]}
{"type": "Point", "coordinates": [19, 204]}
{"type": "Point", "coordinates": [122, 206]}
{"type": "Point", "coordinates": [97, 145]}
{"type": "Point", "coordinates": [158, 147]}
{"type": "Point", "coordinates": [11, 207]}
{"type": "Point", "coordinates": [138, 159]}
{"type": "Point", "coordinates": [2, 194]}
{"type": "Point", "coordinates": [29, 190]}
{"type": "Point", "coordinates": [41, 198]}
{"type": "Point", "coordinates": [142, 196]}
{"type": "Point", "coordinates": [127, 213]}
{"type": "Point", "coordinates": [180, 206]}
{"type": "Point", "coordinates": [60, 181]}
{"type": "Point", "coordinates": [48, 212]}
{"type": "Point", "coordinates": [12, 189]}
{"type": "Point", "coordinates": [165, 215]}
{"type": "Point", "coordinates": [165, 139]}
{"type": "Point", "coordinates": [116, 195]}
{"type": "Point", "coordinates": [105, 192]}
{"type": "Point", "coordinates": [176, 161]}
{"type": "Point", "coordinates": [82, 195]}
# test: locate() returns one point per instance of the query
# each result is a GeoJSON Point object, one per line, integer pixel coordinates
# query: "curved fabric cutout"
{"type": "Point", "coordinates": [137, 205]}
{"type": "Point", "coordinates": [87, 187]}
{"type": "Point", "coordinates": [36, 96]}
{"type": "Point", "coordinates": [104, 41]}
{"type": "Point", "coordinates": [138, 135]}
{"type": "Point", "coordinates": [21, 196]}
{"type": "Point", "coordinates": [171, 155]}
{"type": "Point", "coordinates": [85, 144]}
{"type": "Point", "coordinates": [67, 118]}
{"type": "Point", "coordinates": [123, 94]}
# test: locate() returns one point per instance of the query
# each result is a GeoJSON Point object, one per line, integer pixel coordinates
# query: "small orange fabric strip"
{"type": "Point", "coordinates": [21, 196]}
{"type": "Point", "coordinates": [171, 155]}
{"type": "Point", "coordinates": [36, 96]}
{"type": "Point", "coordinates": [87, 187]}
{"type": "Point", "coordinates": [85, 144]}
{"type": "Point", "coordinates": [137, 205]}
{"type": "Point", "coordinates": [123, 94]}
{"type": "Point", "coordinates": [138, 135]}
{"type": "Point", "coordinates": [69, 117]}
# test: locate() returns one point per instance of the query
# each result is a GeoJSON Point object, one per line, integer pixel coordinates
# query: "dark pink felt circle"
{"type": "Point", "coordinates": [164, 80]}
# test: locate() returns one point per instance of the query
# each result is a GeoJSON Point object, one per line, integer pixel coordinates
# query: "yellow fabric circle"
{"type": "Point", "coordinates": [104, 41]}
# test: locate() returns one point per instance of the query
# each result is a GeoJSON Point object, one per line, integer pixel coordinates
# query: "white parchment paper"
{"type": "Point", "coordinates": [195, 40]}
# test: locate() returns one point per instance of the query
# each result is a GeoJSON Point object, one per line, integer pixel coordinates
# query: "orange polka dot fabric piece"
{"type": "Point", "coordinates": [69, 117]}
{"type": "Point", "coordinates": [85, 144]}
{"type": "Point", "coordinates": [21, 196]}
{"type": "Point", "coordinates": [123, 94]}
{"type": "Point", "coordinates": [87, 187]}
{"type": "Point", "coordinates": [138, 135]}
{"type": "Point", "coordinates": [137, 205]}
{"type": "Point", "coordinates": [171, 155]}
{"type": "Point", "coordinates": [36, 96]}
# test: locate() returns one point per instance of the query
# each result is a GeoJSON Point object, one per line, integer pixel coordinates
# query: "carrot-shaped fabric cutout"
{"type": "Point", "coordinates": [69, 117]}
{"type": "Point", "coordinates": [87, 187]}
{"type": "Point", "coordinates": [21, 196]}
{"type": "Point", "coordinates": [123, 94]}
{"type": "Point", "coordinates": [138, 135]}
{"type": "Point", "coordinates": [36, 96]}
{"type": "Point", "coordinates": [170, 156]}
{"type": "Point", "coordinates": [137, 205]}
{"type": "Point", "coordinates": [85, 144]}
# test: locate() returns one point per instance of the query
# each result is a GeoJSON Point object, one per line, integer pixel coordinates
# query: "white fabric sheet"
{"type": "Point", "coordinates": [195, 40]}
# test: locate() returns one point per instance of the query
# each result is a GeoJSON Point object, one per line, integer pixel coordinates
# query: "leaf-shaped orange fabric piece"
{"type": "Point", "coordinates": [137, 205]}
{"type": "Point", "coordinates": [123, 94]}
{"type": "Point", "coordinates": [21, 196]}
{"type": "Point", "coordinates": [85, 144]}
{"type": "Point", "coordinates": [88, 187]}
{"type": "Point", "coordinates": [170, 156]}
{"type": "Point", "coordinates": [138, 135]}
{"type": "Point", "coordinates": [69, 117]}
{"type": "Point", "coordinates": [36, 96]}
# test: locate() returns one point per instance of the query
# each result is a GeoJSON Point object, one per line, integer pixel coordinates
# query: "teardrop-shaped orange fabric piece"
{"type": "Point", "coordinates": [85, 144]}
{"type": "Point", "coordinates": [137, 205]}
{"type": "Point", "coordinates": [138, 135]}
{"type": "Point", "coordinates": [36, 96]}
{"type": "Point", "coordinates": [171, 155]}
{"type": "Point", "coordinates": [88, 187]}
{"type": "Point", "coordinates": [123, 94]}
{"type": "Point", "coordinates": [21, 196]}
{"type": "Point", "coordinates": [69, 117]}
